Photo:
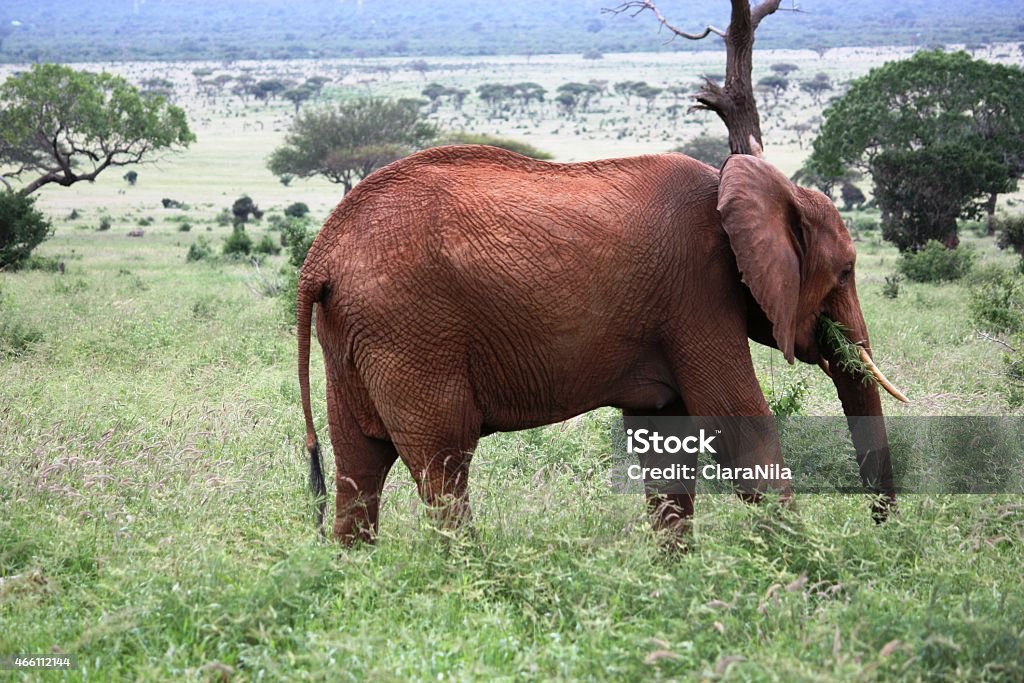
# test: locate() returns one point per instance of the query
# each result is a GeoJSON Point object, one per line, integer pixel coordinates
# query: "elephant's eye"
{"type": "Point", "coordinates": [844, 276]}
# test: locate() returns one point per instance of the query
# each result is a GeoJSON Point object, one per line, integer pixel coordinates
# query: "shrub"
{"type": "Point", "coordinates": [131, 177]}
{"type": "Point", "coordinates": [286, 179]}
{"type": "Point", "coordinates": [298, 238]}
{"type": "Point", "coordinates": [184, 227]}
{"type": "Point", "coordinates": [173, 204]}
{"type": "Point", "coordinates": [789, 401]}
{"type": "Point", "coordinates": [22, 228]}
{"type": "Point", "coordinates": [891, 288]}
{"type": "Point", "coordinates": [104, 224]}
{"type": "Point", "coordinates": [267, 246]}
{"type": "Point", "coordinates": [200, 250]}
{"type": "Point", "coordinates": [936, 263]}
{"type": "Point", "coordinates": [296, 210]}
{"type": "Point", "coordinates": [146, 221]}
{"type": "Point", "coordinates": [711, 149]}
{"type": "Point", "coordinates": [1011, 233]}
{"type": "Point", "coordinates": [224, 217]}
{"type": "Point", "coordinates": [996, 300]}
{"type": "Point", "coordinates": [243, 208]}
{"type": "Point", "coordinates": [238, 243]}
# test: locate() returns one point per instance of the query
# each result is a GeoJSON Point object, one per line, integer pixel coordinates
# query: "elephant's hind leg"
{"type": "Point", "coordinates": [362, 464]}
{"type": "Point", "coordinates": [436, 441]}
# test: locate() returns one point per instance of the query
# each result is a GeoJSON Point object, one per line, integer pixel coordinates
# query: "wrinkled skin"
{"type": "Point", "coordinates": [466, 290]}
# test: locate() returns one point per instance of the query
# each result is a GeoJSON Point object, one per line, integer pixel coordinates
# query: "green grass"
{"type": "Point", "coordinates": [155, 521]}
{"type": "Point", "coordinates": [154, 518]}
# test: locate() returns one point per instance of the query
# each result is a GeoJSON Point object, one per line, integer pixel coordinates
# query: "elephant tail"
{"type": "Point", "coordinates": [304, 320]}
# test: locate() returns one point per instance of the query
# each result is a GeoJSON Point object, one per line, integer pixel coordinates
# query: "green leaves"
{"type": "Point", "coordinates": [936, 131]}
{"type": "Point", "coordinates": [349, 142]}
{"type": "Point", "coordinates": [69, 125]}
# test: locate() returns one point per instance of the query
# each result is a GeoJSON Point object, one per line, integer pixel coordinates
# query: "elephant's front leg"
{"type": "Point", "coordinates": [724, 385]}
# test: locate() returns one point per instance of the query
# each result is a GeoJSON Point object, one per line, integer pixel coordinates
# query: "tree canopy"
{"type": "Point", "coordinates": [938, 132]}
{"type": "Point", "coordinates": [349, 142]}
{"type": "Point", "coordinates": [68, 126]}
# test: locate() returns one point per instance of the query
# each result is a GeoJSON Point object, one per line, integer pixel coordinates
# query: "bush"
{"type": "Point", "coordinates": [936, 263]}
{"type": "Point", "coordinates": [298, 238]}
{"type": "Point", "coordinates": [267, 246]}
{"type": "Point", "coordinates": [104, 224]}
{"type": "Point", "coordinates": [238, 243]}
{"type": "Point", "coordinates": [517, 146]}
{"type": "Point", "coordinates": [200, 250]}
{"type": "Point", "coordinates": [131, 177]}
{"type": "Point", "coordinates": [1011, 233]}
{"type": "Point", "coordinates": [296, 210]}
{"type": "Point", "coordinates": [173, 203]}
{"type": "Point", "coordinates": [996, 300]}
{"type": "Point", "coordinates": [22, 229]}
{"type": "Point", "coordinates": [243, 208]}
{"type": "Point", "coordinates": [184, 227]}
{"type": "Point", "coordinates": [711, 149]}
{"type": "Point", "coordinates": [891, 288]}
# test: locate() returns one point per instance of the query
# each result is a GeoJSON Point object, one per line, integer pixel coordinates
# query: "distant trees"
{"type": "Point", "coordinates": [817, 86]}
{"type": "Point", "coordinates": [942, 135]}
{"type": "Point", "coordinates": [711, 149]}
{"type": "Point", "coordinates": [435, 92]}
{"type": "Point", "coordinates": [65, 126]}
{"type": "Point", "coordinates": [784, 68]}
{"type": "Point", "coordinates": [733, 101]}
{"type": "Point", "coordinates": [346, 143]}
{"type": "Point", "coordinates": [517, 146]}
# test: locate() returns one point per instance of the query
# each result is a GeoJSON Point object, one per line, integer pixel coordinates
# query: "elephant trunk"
{"type": "Point", "coordinates": [862, 405]}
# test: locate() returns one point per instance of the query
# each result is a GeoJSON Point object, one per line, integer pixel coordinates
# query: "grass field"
{"type": "Point", "coordinates": [154, 519]}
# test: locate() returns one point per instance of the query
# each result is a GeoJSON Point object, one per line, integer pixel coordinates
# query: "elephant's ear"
{"type": "Point", "coordinates": [759, 212]}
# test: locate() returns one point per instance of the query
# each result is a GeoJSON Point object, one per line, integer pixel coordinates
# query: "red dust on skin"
{"type": "Point", "coordinates": [465, 290]}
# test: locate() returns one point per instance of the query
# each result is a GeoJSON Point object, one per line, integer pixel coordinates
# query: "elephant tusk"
{"type": "Point", "coordinates": [823, 364]}
{"type": "Point", "coordinates": [886, 384]}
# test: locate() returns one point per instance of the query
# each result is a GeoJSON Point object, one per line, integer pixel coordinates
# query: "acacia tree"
{"type": "Point", "coordinates": [733, 101]}
{"type": "Point", "coordinates": [347, 143]}
{"type": "Point", "coordinates": [941, 134]}
{"type": "Point", "coordinates": [68, 126]}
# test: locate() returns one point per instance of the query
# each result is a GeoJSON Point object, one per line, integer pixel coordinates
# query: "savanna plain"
{"type": "Point", "coordinates": [154, 515]}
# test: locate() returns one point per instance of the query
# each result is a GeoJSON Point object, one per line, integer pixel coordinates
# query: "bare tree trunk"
{"type": "Point", "coordinates": [990, 210]}
{"type": "Point", "coordinates": [734, 100]}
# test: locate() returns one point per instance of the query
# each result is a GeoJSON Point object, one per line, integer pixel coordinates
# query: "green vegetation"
{"type": "Point", "coordinates": [154, 516]}
{"type": "Point", "coordinates": [238, 243]}
{"type": "Point", "coordinates": [517, 146]}
{"type": "Point", "coordinates": [22, 229]}
{"type": "Point", "coordinates": [938, 133]}
{"type": "Point", "coordinates": [712, 149]}
{"type": "Point", "coordinates": [936, 263]}
{"type": "Point", "coordinates": [65, 126]}
{"type": "Point", "coordinates": [155, 520]}
{"type": "Point", "coordinates": [348, 142]}
{"type": "Point", "coordinates": [242, 209]}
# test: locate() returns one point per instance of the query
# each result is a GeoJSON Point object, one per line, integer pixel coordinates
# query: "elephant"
{"type": "Point", "coordinates": [466, 290]}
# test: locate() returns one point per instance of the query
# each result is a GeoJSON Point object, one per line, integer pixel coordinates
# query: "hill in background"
{"type": "Point", "coordinates": [97, 30]}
